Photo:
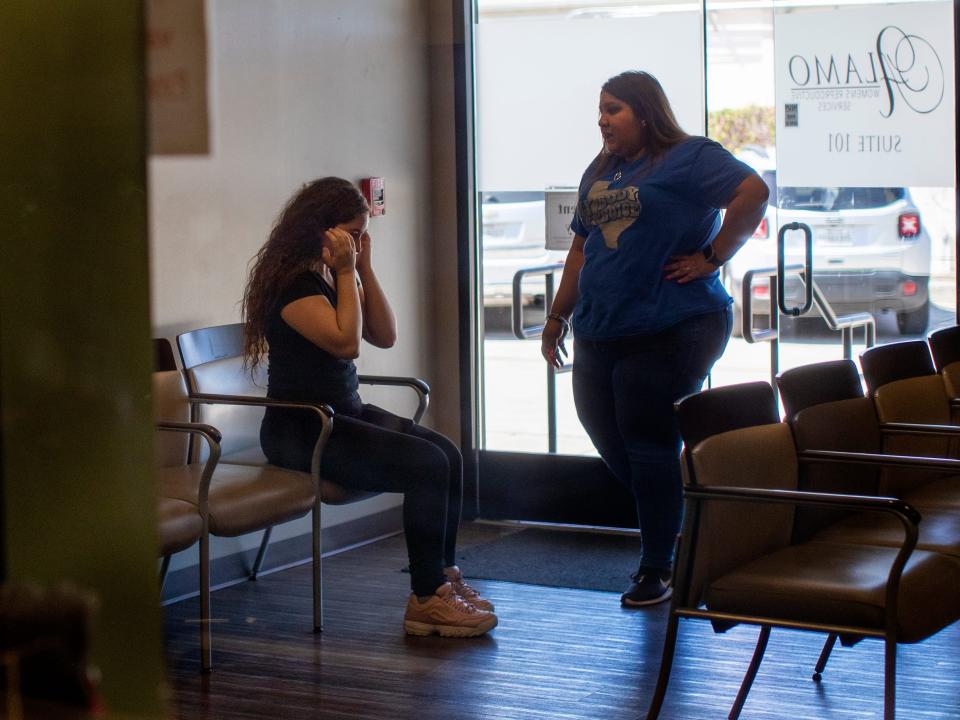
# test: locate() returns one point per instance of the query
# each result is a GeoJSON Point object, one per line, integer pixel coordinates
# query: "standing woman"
{"type": "Point", "coordinates": [641, 282]}
{"type": "Point", "coordinates": [312, 295]}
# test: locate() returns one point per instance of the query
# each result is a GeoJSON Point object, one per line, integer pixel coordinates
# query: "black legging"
{"type": "Point", "coordinates": [382, 452]}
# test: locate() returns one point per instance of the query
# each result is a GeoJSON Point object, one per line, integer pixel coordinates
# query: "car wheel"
{"type": "Point", "coordinates": [914, 322]}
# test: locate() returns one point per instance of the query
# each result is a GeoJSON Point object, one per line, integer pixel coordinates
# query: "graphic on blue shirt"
{"type": "Point", "coordinates": [636, 216]}
{"type": "Point", "coordinates": [613, 210]}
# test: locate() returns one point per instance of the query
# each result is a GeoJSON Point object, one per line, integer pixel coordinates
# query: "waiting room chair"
{"type": "Point", "coordinates": [884, 364]}
{"type": "Point", "coordinates": [827, 409]}
{"type": "Point", "coordinates": [738, 561]}
{"type": "Point", "coordinates": [945, 349]}
{"type": "Point", "coordinates": [248, 493]}
{"type": "Point", "coordinates": [183, 486]}
{"type": "Point", "coordinates": [906, 388]}
{"type": "Point", "coordinates": [945, 346]}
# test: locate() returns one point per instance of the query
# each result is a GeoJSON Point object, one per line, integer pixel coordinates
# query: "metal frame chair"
{"type": "Point", "coordinates": [738, 562]}
{"type": "Point", "coordinates": [183, 517]}
{"type": "Point", "coordinates": [884, 364]}
{"type": "Point", "coordinates": [220, 388]}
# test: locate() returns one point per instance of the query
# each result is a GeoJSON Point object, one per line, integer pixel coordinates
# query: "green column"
{"type": "Point", "coordinates": [78, 491]}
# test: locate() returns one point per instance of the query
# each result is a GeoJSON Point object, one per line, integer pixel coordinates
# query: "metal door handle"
{"type": "Point", "coordinates": [807, 269]}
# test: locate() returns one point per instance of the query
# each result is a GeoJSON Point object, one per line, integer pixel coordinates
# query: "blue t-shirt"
{"type": "Point", "coordinates": [634, 218]}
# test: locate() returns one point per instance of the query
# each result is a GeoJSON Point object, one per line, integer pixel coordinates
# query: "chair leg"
{"type": "Point", "coordinates": [751, 673]}
{"type": "Point", "coordinates": [824, 656]}
{"type": "Point", "coordinates": [164, 567]}
{"type": "Point", "coordinates": [205, 631]}
{"type": "Point", "coordinates": [666, 664]}
{"type": "Point", "coordinates": [890, 679]}
{"type": "Point", "coordinates": [317, 569]}
{"type": "Point", "coordinates": [261, 553]}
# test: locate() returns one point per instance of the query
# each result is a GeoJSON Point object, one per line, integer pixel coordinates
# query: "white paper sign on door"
{"type": "Point", "coordinates": [559, 206]}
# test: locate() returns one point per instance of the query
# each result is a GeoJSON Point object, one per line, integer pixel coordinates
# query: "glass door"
{"type": "Point", "coordinates": [859, 98]}
{"type": "Point", "coordinates": [536, 133]}
{"type": "Point", "coordinates": [827, 103]}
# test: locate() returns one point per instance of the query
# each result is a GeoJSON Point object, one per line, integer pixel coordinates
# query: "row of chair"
{"type": "Point", "coordinates": [843, 519]}
{"type": "Point", "coordinates": [224, 486]}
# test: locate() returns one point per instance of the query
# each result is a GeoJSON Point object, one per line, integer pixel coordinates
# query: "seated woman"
{"type": "Point", "coordinates": [311, 296]}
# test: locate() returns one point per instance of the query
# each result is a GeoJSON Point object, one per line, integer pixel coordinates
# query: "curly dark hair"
{"type": "Point", "coordinates": [645, 96]}
{"type": "Point", "coordinates": [294, 245]}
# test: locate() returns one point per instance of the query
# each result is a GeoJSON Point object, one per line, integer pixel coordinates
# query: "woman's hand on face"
{"type": "Point", "coordinates": [684, 268]}
{"type": "Point", "coordinates": [364, 252]}
{"type": "Point", "coordinates": [551, 343]}
{"type": "Point", "coordinates": [340, 251]}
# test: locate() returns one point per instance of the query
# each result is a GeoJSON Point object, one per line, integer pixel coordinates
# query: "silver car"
{"type": "Point", "coordinates": [513, 239]}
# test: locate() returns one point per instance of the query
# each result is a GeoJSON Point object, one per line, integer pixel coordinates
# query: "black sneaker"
{"type": "Point", "coordinates": [649, 587]}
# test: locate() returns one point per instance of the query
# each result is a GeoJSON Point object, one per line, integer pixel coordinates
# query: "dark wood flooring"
{"type": "Point", "coordinates": [557, 653]}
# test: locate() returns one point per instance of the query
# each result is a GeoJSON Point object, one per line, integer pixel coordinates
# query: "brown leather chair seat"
{"type": "Point", "coordinates": [244, 495]}
{"type": "Point", "coordinates": [833, 583]}
{"type": "Point", "coordinates": [331, 493]}
{"type": "Point", "coordinates": [179, 525]}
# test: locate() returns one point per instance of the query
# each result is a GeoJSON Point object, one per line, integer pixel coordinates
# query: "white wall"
{"type": "Point", "coordinates": [301, 89]}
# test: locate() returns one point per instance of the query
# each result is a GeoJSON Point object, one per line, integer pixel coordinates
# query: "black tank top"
{"type": "Point", "coordinates": [298, 369]}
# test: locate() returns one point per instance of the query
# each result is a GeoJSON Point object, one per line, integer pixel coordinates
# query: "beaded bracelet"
{"type": "Point", "coordinates": [560, 319]}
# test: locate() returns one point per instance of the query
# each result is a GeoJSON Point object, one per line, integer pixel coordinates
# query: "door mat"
{"type": "Point", "coordinates": [582, 560]}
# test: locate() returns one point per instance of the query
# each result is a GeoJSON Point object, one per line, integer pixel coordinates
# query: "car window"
{"type": "Point", "coordinates": [829, 199]}
{"type": "Point", "coordinates": [511, 196]}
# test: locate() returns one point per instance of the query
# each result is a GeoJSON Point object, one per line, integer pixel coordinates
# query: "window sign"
{"type": "Point", "coordinates": [865, 95]}
{"type": "Point", "coordinates": [559, 206]}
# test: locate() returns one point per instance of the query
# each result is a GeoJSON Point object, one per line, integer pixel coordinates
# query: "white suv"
{"type": "Point", "coordinates": [870, 250]}
{"type": "Point", "coordinates": [514, 239]}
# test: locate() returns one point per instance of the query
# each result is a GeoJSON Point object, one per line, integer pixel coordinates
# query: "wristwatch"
{"type": "Point", "coordinates": [711, 256]}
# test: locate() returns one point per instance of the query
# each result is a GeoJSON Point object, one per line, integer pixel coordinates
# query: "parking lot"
{"type": "Point", "coordinates": [515, 390]}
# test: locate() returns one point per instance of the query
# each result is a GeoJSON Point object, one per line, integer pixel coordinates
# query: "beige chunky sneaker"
{"type": "Point", "coordinates": [470, 594]}
{"type": "Point", "coordinates": [446, 614]}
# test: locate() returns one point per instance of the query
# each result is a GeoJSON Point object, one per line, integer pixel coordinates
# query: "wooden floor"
{"type": "Point", "coordinates": [557, 654]}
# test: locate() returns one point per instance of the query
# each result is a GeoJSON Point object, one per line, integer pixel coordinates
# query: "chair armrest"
{"type": "Point", "coordinates": [905, 512]}
{"type": "Point", "coordinates": [868, 503]}
{"type": "Point", "coordinates": [213, 438]}
{"type": "Point", "coordinates": [899, 428]}
{"type": "Point", "coordinates": [416, 384]}
{"type": "Point", "coordinates": [907, 462]}
{"type": "Point", "coordinates": [208, 432]}
{"type": "Point", "coordinates": [323, 410]}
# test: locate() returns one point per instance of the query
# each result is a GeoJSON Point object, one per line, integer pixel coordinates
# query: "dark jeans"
{"type": "Point", "coordinates": [624, 390]}
{"type": "Point", "coordinates": [380, 451]}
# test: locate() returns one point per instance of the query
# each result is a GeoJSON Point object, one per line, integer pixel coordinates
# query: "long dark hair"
{"type": "Point", "coordinates": [644, 94]}
{"type": "Point", "coordinates": [294, 245]}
